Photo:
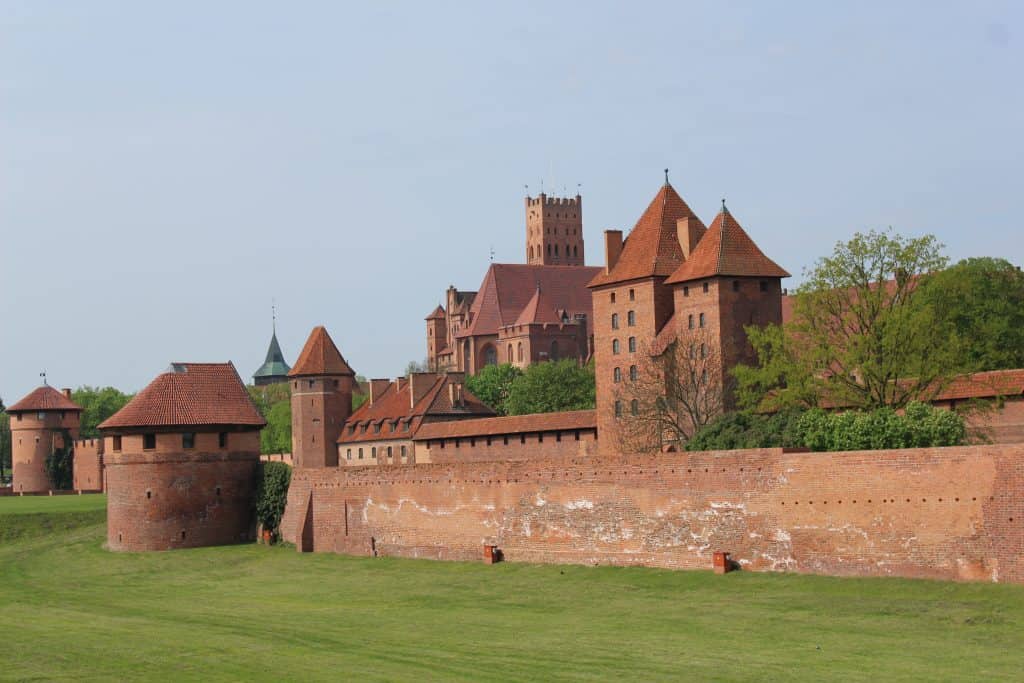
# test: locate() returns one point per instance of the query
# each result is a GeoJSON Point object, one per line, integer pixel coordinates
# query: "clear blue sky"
{"type": "Point", "coordinates": [169, 168]}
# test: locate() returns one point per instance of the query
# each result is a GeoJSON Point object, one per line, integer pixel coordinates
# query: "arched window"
{"type": "Point", "coordinates": [510, 357]}
{"type": "Point", "coordinates": [689, 321]}
{"type": "Point", "coordinates": [617, 375]}
{"type": "Point", "coordinates": [634, 374]}
{"type": "Point", "coordinates": [490, 356]}
{"type": "Point", "coordinates": [554, 350]}
{"type": "Point", "coordinates": [632, 344]}
{"type": "Point", "coordinates": [702, 320]}
{"type": "Point", "coordinates": [556, 251]}
{"type": "Point", "coordinates": [575, 252]}
{"type": "Point", "coordinates": [549, 250]}
{"type": "Point", "coordinates": [615, 321]}
{"type": "Point", "coordinates": [618, 409]}
{"type": "Point", "coordinates": [529, 252]}
{"type": "Point", "coordinates": [634, 407]}
{"type": "Point", "coordinates": [519, 352]}
{"type": "Point", "coordinates": [703, 351]}
{"type": "Point", "coordinates": [615, 345]}
{"type": "Point", "coordinates": [631, 318]}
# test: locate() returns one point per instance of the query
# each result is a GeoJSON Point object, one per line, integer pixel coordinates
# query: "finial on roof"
{"type": "Point", "coordinates": [492, 253]}
{"type": "Point", "coordinates": [724, 208]}
{"type": "Point", "coordinates": [273, 316]}
{"type": "Point", "coordinates": [666, 176]}
{"type": "Point", "coordinates": [43, 375]}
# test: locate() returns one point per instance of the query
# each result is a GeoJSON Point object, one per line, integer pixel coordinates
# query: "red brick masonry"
{"type": "Point", "coordinates": [945, 513]}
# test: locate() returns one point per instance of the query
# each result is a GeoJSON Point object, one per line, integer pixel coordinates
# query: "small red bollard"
{"type": "Point", "coordinates": [722, 563]}
{"type": "Point", "coordinates": [490, 554]}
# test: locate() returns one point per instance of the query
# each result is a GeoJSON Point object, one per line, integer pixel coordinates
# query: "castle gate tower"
{"type": "Point", "coordinates": [322, 384]}
{"type": "Point", "coordinates": [554, 231]}
{"type": "Point", "coordinates": [41, 423]}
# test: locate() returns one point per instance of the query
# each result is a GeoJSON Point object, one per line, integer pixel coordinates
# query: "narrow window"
{"type": "Point", "coordinates": [510, 356]}
{"type": "Point", "coordinates": [222, 440]}
{"type": "Point", "coordinates": [615, 321]}
{"type": "Point", "coordinates": [117, 443]}
{"type": "Point", "coordinates": [148, 442]}
{"type": "Point", "coordinates": [763, 285]}
{"type": "Point", "coordinates": [389, 453]}
{"type": "Point", "coordinates": [522, 438]}
{"type": "Point", "coordinates": [519, 351]}
{"type": "Point", "coordinates": [458, 442]}
{"type": "Point", "coordinates": [705, 288]}
{"type": "Point", "coordinates": [613, 297]}
{"type": "Point", "coordinates": [618, 409]}
{"type": "Point", "coordinates": [373, 453]}
{"type": "Point", "coordinates": [686, 290]}
{"type": "Point", "coordinates": [702, 320]}
{"type": "Point", "coordinates": [360, 453]}
{"type": "Point", "coordinates": [703, 351]}
{"type": "Point", "coordinates": [540, 437]}
{"type": "Point", "coordinates": [632, 344]}
{"type": "Point", "coordinates": [615, 345]}
{"type": "Point", "coordinates": [403, 451]}
{"type": "Point", "coordinates": [505, 440]}
{"type": "Point", "coordinates": [704, 377]}
{"type": "Point", "coordinates": [577, 435]}
{"type": "Point", "coordinates": [617, 375]}
{"type": "Point", "coordinates": [735, 285]}
{"type": "Point", "coordinates": [689, 321]}
{"type": "Point", "coordinates": [634, 407]}
{"type": "Point", "coordinates": [217, 491]}
{"type": "Point", "coordinates": [188, 440]}
{"type": "Point", "coordinates": [310, 384]}
{"type": "Point", "coordinates": [631, 318]}
{"type": "Point", "coordinates": [348, 454]}
{"type": "Point", "coordinates": [558, 436]}
{"type": "Point", "coordinates": [632, 295]}
{"type": "Point", "coordinates": [633, 373]}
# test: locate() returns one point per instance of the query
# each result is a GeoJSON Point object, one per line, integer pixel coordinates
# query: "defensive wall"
{"type": "Point", "coordinates": [88, 473]}
{"type": "Point", "coordinates": [944, 513]}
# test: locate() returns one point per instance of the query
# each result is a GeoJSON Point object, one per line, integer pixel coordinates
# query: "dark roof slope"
{"type": "Point", "coordinates": [726, 249]}
{"type": "Point", "coordinates": [320, 356]}
{"type": "Point", "coordinates": [44, 398]}
{"type": "Point", "coordinates": [652, 247]}
{"type": "Point", "coordinates": [274, 364]}
{"type": "Point", "coordinates": [190, 394]}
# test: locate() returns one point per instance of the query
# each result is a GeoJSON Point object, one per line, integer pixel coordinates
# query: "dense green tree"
{"type": "Point", "coordinates": [274, 401]}
{"type": "Point", "coordinates": [744, 429]}
{"type": "Point", "coordinates": [983, 300]}
{"type": "Point", "coordinates": [551, 387]}
{"type": "Point", "coordinates": [272, 493]}
{"type": "Point", "coordinates": [862, 333]}
{"type": "Point", "coordinates": [493, 384]}
{"type": "Point", "coordinates": [97, 405]}
{"type": "Point", "coordinates": [5, 444]}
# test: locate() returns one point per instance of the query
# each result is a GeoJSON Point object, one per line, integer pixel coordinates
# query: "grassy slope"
{"type": "Point", "coordinates": [251, 612]}
{"type": "Point", "coordinates": [29, 516]}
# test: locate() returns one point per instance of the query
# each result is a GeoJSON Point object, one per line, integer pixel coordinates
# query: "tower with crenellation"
{"type": "Point", "coordinates": [554, 231]}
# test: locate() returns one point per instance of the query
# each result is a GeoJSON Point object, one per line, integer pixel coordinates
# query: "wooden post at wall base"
{"type": "Point", "coordinates": [491, 554]}
{"type": "Point", "coordinates": [722, 563]}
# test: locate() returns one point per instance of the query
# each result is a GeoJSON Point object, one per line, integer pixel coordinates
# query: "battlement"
{"type": "Point", "coordinates": [545, 200]}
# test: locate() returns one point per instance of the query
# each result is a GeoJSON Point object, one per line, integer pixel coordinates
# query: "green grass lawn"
{"type": "Point", "coordinates": [69, 609]}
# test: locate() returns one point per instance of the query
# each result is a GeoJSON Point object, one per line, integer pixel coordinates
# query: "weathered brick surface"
{"type": "Point", "coordinates": [34, 436]}
{"type": "Point", "coordinates": [88, 465]}
{"type": "Point", "coordinates": [951, 513]}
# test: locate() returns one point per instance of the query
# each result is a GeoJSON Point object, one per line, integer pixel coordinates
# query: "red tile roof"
{"type": "Point", "coordinates": [539, 310]}
{"type": "Point", "coordinates": [985, 385]}
{"type": "Point", "coordinates": [652, 248]}
{"type": "Point", "coordinates": [320, 357]}
{"type": "Point", "coordinates": [726, 249]}
{"type": "Point", "coordinates": [395, 404]}
{"type": "Point", "coordinates": [514, 424]}
{"type": "Point", "coordinates": [190, 394]}
{"type": "Point", "coordinates": [508, 288]}
{"type": "Point", "coordinates": [437, 314]}
{"type": "Point", "coordinates": [44, 398]}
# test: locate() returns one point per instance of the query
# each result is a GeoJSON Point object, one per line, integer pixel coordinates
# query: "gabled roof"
{"type": "Point", "coordinates": [190, 394]}
{"type": "Point", "coordinates": [437, 314]}
{"type": "Point", "coordinates": [320, 357]}
{"type": "Point", "coordinates": [652, 248]}
{"type": "Point", "coordinates": [513, 424]}
{"type": "Point", "coordinates": [539, 310]}
{"type": "Point", "coordinates": [726, 249]}
{"type": "Point", "coordinates": [274, 365]}
{"type": "Point", "coordinates": [395, 404]}
{"type": "Point", "coordinates": [44, 398]}
{"type": "Point", "coordinates": [508, 288]}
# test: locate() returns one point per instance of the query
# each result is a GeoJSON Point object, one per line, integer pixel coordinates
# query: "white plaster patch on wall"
{"type": "Point", "coordinates": [579, 505]}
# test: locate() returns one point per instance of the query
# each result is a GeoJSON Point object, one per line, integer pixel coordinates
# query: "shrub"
{"type": "Point", "coordinates": [272, 493]}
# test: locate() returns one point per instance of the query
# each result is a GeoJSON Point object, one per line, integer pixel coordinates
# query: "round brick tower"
{"type": "Point", "coordinates": [41, 423]}
{"type": "Point", "coordinates": [181, 461]}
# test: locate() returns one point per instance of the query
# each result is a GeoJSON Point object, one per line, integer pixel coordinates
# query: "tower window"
{"type": "Point", "coordinates": [632, 344]}
{"type": "Point", "coordinates": [615, 345]}
{"type": "Point", "coordinates": [632, 295]}
{"type": "Point", "coordinates": [689, 321]}
{"type": "Point", "coordinates": [633, 373]}
{"type": "Point", "coordinates": [634, 407]}
{"type": "Point", "coordinates": [703, 351]}
{"type": "Point", "coordinates": [702, 320]}
{"type": "Point", "coordinates": [763, 285]}
{"type": "Point", "coordinates": [631, 318]}
{"type": "Point", "coordinates": [617, 375]}
{"type": "Point", "coordinates": [686, 290]}
{"type": "Point", "coordinates": [222, 440]}
{"type": "Point", "coordinates": [618, 409]}
{"type": "Point", "coordinates": [615, 321]}
{"type": "Point", "coordinates": [148, 442]}
{"type": "Point", "coordinates": [117, 444]}
{"type": "Point", "coordinates": [705, 288]}
{"type": "Point", "coordinates": [188, 440]}
{"type": "Point", "coordinates": [613, 297]}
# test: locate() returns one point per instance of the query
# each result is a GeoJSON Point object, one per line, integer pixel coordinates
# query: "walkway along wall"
{"type": "Point", "coordinates": [946, 513]}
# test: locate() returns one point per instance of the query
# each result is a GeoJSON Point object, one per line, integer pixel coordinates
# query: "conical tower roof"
{"type": "Point", "coordinates": [726, 249]}
{"type": "Point", "coordinates": [44, 398]}
{"type": "Point", "coordinates": [652, 248]}
{"type": "Point", "coordinates": [539, 310]}
{"type": "Point", "coordinates": [320, 356]}
{"type": "Point", "coordinates": [274, 365]}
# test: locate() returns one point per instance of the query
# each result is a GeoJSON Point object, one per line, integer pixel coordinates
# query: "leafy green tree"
{"type": "Point", "coordinates": [493, 384]}
{"type": "Point", "coordinates": [982, 299]}
{"type": "Point", "coordinates": [744, 429]}
{"type": "Point", "coordinates": [59, 464]}
{"type": "Point", "coordinates": [274, 401]}
{"type": "Point", "coordinates": [272, 493]}
{"type": "Point", "coordinates": [97, 405]}
{"type": "Point", "coordinates": [5, 443]}
{"type": "Point", "coordinates": [862, 334]}
{"type": "Point", "coordinates": [551, 387]}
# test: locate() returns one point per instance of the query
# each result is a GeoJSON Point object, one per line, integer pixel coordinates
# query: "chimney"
{"type": "Point", "coordinates": [455, 394]}
{"type": "Point", "coordinates": [67, 393]}
{"type": "Point", "coordinates": [689, 231]}
{"type": "Point", "coordinates": [419, 385]}
{"type": "Point", "coordinates": [612, 248]}
{"type": "Point", "coordinates": [400, 383]}
{"type": "Point", "coordinates": [377, 388]}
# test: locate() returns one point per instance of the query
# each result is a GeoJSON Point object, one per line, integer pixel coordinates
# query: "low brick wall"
{"type": "Point", "coordinates": [947, 513]}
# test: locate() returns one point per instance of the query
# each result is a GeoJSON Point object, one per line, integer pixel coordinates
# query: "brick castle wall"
{"type": "Point", "coordinates": [945, 513]}
{"type": "Point", "coordinates": [34, 436]}
{"type": "Point", "coordinates": [88, 465]}
{"type": "Point", "coordinates": [524, 446]}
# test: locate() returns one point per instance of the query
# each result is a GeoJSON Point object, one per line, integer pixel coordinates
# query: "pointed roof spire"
{"type": "Point", "coordinates": [540, 309]}
{"type": "Point", "coordinates": [726, 249]}
{"type": "Point", "coordinates": [436, 314]}
{"type": "Point", "coordinates": [652, 249]}
{"type": "Point", "coordinates": [274, 367]}
{"type": "Point", "coordinates": [666, 178]}
{"type": "Point", "coordinates": [320, 356]}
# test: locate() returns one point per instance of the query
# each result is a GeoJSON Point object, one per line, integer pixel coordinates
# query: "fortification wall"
{"type": "Point", "coordinates": [88, 465]}
{"type": "Point", "coordinates": [948, 513]}
{"type": "Point", "coordinates": [164, 501]}
{"type": "Point", "coordinates": [523, 446]}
